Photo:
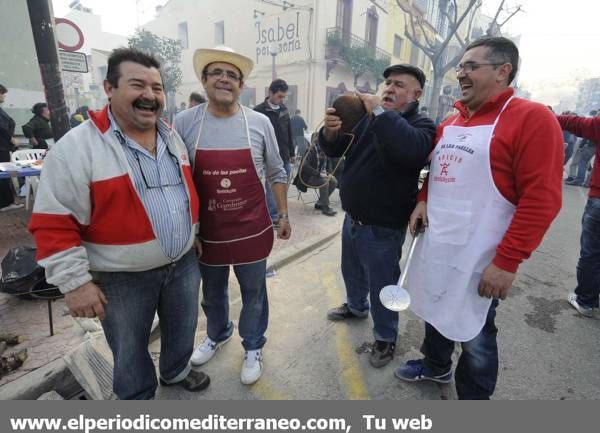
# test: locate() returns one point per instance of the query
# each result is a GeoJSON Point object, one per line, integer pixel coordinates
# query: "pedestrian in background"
{"type": "Point", "coordinates": [38, 129]}
{"type": "Point", "coordinates": [585, 297]}
{"type": "Point", "coordinates": [298, 126]}
{"type": "Point", "coordinates": [195, 99]}
{"type": "Point", "coordinates": [278, 115]}
{"type": "Point", "coordinates": [7, 145]}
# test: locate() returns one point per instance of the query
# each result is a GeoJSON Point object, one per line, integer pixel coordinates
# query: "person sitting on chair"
{"type": "Point", "coordinates": [315, 172]}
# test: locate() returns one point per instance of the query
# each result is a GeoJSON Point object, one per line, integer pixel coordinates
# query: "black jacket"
{"type": "Point", "coordinates": [382, 166]}
{"type": "Point", "coordinates": [39, 128]}
{"type": "Point", "coordinates": [280, 119]}
{"type": "Point", "coordinates": [7, 130]}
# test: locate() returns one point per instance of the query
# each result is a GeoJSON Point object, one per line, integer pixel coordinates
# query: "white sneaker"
{"type": "Point", "coordinates": [252, 366]}
{"type": "Point", "coordinates": [206, 351]}
{"type": "Point", "coordinates": [12, 206]}
{"type": "Point", "coordinates": [584, 311]}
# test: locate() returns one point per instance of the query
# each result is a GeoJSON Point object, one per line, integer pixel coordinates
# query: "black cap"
{"type": "Point", "coordinates": [406, 69]}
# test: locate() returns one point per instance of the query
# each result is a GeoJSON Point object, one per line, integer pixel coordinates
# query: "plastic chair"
{"type": "Point", "coordinates": [31, 182]}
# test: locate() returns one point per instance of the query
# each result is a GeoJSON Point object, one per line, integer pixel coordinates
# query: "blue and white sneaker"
{"type": "Point", "coordinates": [206, 351]}
{"type": "Point", "coordinates": [415, 371]}
{"type": "Point", "coordinates": [582, 309]}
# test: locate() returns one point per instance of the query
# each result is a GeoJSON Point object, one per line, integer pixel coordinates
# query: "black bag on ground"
{"type": "Point", "coordinates": [23, 277]}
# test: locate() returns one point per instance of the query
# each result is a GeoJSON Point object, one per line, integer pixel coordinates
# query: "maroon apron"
{"type": "Point", "coordinates": [235, 226]}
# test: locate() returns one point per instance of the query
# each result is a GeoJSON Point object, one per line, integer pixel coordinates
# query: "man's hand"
{"type": "Point", "coordinates": [86, 301]}
{"type": "Point", "coordinates": [333, 125]}
{"type": "Point", "coordinates": [33, 141]}
{"type": "Point", "coordinates": [198, 246]}
{"type": "Point", "coordinates": [420, 213]}
{"type": "Point", "coordinates": [369, 101]}
{"type": "Point", "coordinates": [495, 282]}
{"type": "Point", "coordinates": [284, 229]}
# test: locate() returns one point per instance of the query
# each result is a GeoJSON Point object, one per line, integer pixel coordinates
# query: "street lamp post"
{"type": "Point", "coordinates": [274, 49]}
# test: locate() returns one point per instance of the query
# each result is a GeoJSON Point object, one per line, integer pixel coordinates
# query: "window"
{"type": "Point", "coordinates": [343, 18]}
{"type": "Point", "coordinates": [220, 33]}
{"type": "Point", "coordinates": [182, 34]}
{"type": "Point", "coordinates": [397, 46]}
{"type": "Point", "coordinates": [371, 29]}
{"type": "Point", "coordinates": [414, 55]}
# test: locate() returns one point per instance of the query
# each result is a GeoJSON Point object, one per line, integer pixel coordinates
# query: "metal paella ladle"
{"type": "Point", "coordinates": [394, 297]}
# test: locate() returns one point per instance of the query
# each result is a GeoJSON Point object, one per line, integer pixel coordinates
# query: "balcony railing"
{"type": "Point", "coordinates": [338, 36]}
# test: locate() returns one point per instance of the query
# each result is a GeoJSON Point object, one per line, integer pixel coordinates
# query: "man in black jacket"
{"type": "Point", "coordinates": [378, 191]}
{"type": "Point", "coordinates": [279, 116]}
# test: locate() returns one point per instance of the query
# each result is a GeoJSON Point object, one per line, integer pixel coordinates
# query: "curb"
{"type": "Point", "coordinates": [292, 253]}
{"type": "Point", "coordinates": [56, 376]}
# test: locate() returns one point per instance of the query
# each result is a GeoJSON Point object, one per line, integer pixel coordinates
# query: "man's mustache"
{"type": "Point", "coordinates": [142, 103]}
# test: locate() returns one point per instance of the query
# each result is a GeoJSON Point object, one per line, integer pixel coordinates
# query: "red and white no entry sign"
{"type": "Point", "coordinates": [69, 35]}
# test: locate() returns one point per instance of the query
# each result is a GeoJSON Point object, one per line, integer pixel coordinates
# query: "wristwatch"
{"type": "Point", "coordinates": [377, 110]}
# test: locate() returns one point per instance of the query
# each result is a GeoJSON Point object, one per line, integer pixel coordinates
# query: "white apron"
{"type": "Point", "coordinates": [468, 218]}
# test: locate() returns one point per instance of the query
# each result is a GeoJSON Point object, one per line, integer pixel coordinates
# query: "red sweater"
{"type": "Point", "coordinates": [586, 127]}
{"type": "Point", "coordinates": [527, 153]}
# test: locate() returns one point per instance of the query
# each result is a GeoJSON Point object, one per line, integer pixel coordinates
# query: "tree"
{"type": "Point", "coordinates": [357, 59]}
{"type": "Point", "coordinates": [167, 51]}
{"type": "Point", "coordinates": [436, 48]}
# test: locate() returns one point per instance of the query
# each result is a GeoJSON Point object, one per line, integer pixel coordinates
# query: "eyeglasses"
{"type": "Point", "coordinates": [219, 73]}
{"type": "Point", "coordinates": [469, 67]}
{"type": "Point", "coordinates": [168, 182]}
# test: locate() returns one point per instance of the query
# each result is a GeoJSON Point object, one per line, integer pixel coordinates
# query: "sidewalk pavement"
{"type": "Point", "coordinates": [44, 369]}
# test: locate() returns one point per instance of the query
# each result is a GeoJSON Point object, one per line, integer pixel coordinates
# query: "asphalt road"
{"type": "Point", "coordinates": [547, 350]}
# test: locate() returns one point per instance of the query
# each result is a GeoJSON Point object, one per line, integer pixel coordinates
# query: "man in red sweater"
{"type": "Point", "coordinates": [585, 297]}
{"type": "Point", "coordinates": [494, 188]}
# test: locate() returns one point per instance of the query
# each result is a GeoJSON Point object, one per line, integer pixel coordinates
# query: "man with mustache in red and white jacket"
{"type": "Point", "coordinates": [114, 222]}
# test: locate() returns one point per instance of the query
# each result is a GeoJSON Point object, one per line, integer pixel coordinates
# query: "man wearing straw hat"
{"type": "Point", "coordinates": [234, 152]}
{"type": "Point", "coordinates": [378, 192]}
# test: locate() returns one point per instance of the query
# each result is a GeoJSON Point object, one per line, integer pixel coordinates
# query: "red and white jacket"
{"type": "Point", "coordinates": [87, 213]}
{"type": "Point", "coordinates": [526, 156]}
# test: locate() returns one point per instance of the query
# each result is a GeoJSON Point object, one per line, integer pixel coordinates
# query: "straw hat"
{"type": "Point", "coordinates": [221, 53]}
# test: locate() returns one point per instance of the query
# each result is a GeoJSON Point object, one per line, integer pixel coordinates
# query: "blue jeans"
{"type": "Point", "coordinates": [254, 316]}
{"type": "Point", "coordinates": [370, 261]}
{"type": "Point", "coordinates": [588, 266]}
{"type": "Point", "coordinates": [477, 369]}
{"type": "Point", "coordinates": [133, 298]}
{"type": "Point", "coordinates": [586, 155]}
{"type": "Point", "coordinates": [271, 203]}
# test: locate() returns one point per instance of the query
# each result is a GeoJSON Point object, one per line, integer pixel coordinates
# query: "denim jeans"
{"type": "Point", "coordinates": [271, 203]}
{"type": "Point", "coordinates": [254, 316]}
{"type": "Point", "coordinates": [133, 298]}
{"type": "Point", "coordinates": [477, 369]}
{"type": "Point", "coordinates": [370, 261]}
{"type": "Point", "coordinates": [588, 266]}
{"type": "Point", "coordinates": [587, 153]}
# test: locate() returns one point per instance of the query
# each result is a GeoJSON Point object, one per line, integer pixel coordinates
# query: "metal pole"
{"type": "Point", "coordinates": [45, 46]}
{"type": "Point", "coordinates": [50, 321]}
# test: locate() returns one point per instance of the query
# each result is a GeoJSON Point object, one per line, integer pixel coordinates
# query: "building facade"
{"type": "Point", "coordinates": [312, 44]}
